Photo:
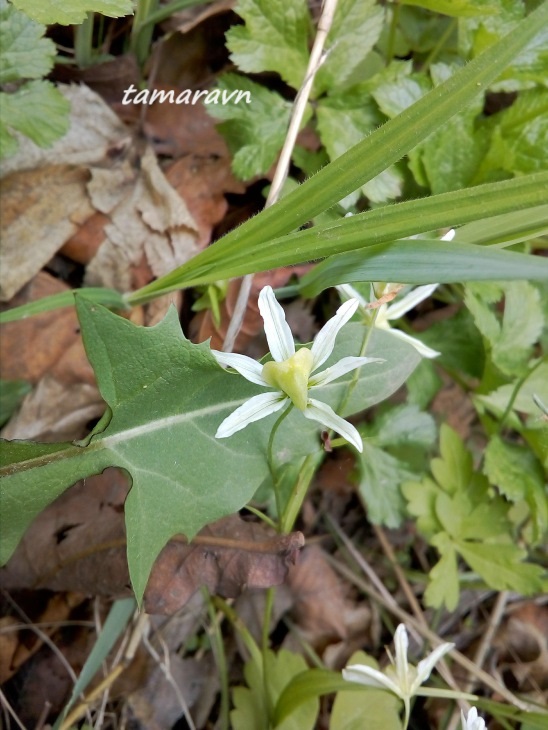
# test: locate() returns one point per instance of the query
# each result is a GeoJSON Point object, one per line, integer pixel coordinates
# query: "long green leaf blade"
{"type": "Point", "coordinates": [372, 227]}
{"type": "Point", "coordinates": [366, 159]}
{"type": "Point", "coordinates": [423, 262]}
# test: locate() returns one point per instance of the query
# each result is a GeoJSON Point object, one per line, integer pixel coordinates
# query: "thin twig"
{"type": "Point", "coordinates": [45, 639]}
{"type": "Point", "coordinates": [9, 709]}
{"type": "Point", "coordinates": [299, 106]}
{"type": "Point", "coordinates": [415, 607]}
{"type": "Point", "coordinates": [141, 627]}
{"type": "Point", "coordinates": [166, 671]}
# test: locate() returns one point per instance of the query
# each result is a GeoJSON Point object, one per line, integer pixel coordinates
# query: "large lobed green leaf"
{"type": "Point", "coordinates": [166, 398]}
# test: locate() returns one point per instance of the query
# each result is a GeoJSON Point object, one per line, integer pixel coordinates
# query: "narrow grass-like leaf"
{"type": "Point", "coordinates": [107, 297]}
{"type": "Point", "coordinates": [117, 620]}
{"type": "Point", "coordinates": [350, 234]}
{"type": "Point", "coordinates": [363, 161]}
{"type": "Point", "coordinates": [507, 229]}
{"type": "Point", "coordinates": [423, 262]}
{"type": "Point", "coordinates": [308, 685]}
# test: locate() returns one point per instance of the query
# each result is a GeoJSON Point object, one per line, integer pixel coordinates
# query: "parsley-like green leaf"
{"type": "Point", "coordinates": [254, 132]}
{"type": "Point", "coordinates": [443, 584]}
{"type": "Point", "coordinates": [511, 339]}
{"type": "Point", "coordinates": [24, 52]}
{"type": "Point", "coordinates": [515, 471]}
{"type": "Point", "coordinates": [274, 38]}
{"type": "Point", "coordinates": [519, 136]}
{"type": "Point", "coordinates": [72, 11]}
{"type": "Point", "coordinates": [37, 110]}
{"type": "Point", "coordinates": [356, 28]}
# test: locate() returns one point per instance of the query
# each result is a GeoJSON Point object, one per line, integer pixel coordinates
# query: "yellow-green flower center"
{"type": "Point", "coordinates": [291, 376]}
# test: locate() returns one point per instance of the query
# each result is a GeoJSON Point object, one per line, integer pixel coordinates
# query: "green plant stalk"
{"type": "Point", "coordinates": [167, 11]}
{"type": "Point", "coordinates": [519, 384]}
{"type": "Point", "coordinates": [270, 457]}
{"type": "Point", "coordinates": [365, 160]}
{"type": "Point", "coordinates": [267, 617]}
{"type": "Point", "coordinates": [439, 45]}
{"type": "Point", "coordinates": [220, 658]}
{"type": "Point", "coordinates": [83, 42]}
{"type": "Point", "coordinates": [396, 8]}
{"type": "Point", "coordinates": [241, 628]}
{"type": "Point", "coordinates": [296, 499]}
{"type": "Point", "coordinates": [141, 32]}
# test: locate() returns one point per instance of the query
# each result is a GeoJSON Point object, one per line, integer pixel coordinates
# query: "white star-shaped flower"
{"type": "Point", "coordinates": [400, 678]}
{"type": "Point", "coordinates": [292, 373]}
{"type": "Point", "coordinates": [386, 313]}
{"type": "Point", "coordinates": [472, 721]}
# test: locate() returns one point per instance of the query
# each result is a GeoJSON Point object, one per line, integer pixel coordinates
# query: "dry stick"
{"type": "Point", "coordinates": [425, 632]}
{"type": "Point", "coordinates": [280, 176]}
{"type": "Point", "coordinates": [485, 644]}
{"type": "Point", "coordinates": [9, 709]}
{"type": "Point", "coordinates": [415, 607]}
{"type": "Point", "coordinates": [166, 671]}
{"type": "Point", "coordinates": [141, 627]}
{"type": "Point", "coordinates": [368, 570]}
{"type": "Point", "coordinates": [44, 638]}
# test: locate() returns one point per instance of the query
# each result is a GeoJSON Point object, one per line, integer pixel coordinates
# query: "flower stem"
{"type": "Point", "coordinates": [295, 501]}
{"type": "Point", "coordinates": [270, 457]}
{"type": "Point", "coordinates": [363, 349]}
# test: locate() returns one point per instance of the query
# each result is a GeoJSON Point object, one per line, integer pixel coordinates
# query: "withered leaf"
{"type": "Point", "coordinates": [78, 544]}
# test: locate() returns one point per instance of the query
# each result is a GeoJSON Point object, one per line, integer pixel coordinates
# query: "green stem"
{"type": "Point", "coordinates": [270, 458]}
{"type": "Point", "coordinates": [363, 349]}
{"type": "Point", "coordinates": [439, 45]}
{"type": "Point", "coordinates": [83, 42]}
{"type": "Point", "coordinates": [142, 30]}
{"type": "Point", "coordinates": [261, 516]}
{"type": "Point", "coordinates": [407, 713]}
{"type": "Point", "coordinates": [518, 386]}
{"type": "Point", "coordinates": [219, 653]}
{"type": "Point", "coordinates": [167, 10]}
{"type": "Point", "coordinates": [298, 493]}
{"type": "Point", "coordinates": [392, 33]}
{"type": "Point", "coordinates": [269, 603]}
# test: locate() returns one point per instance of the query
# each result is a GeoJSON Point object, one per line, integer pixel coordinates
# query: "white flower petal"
{"type": "Point", "coordinates": [344, 366]}
{"type": "Point", "coordinates": [401, 644]}
{"type": "Point", "coordinates": [370, 677]}
{"type": "Point", "coordinates": [449, 236]}
{"type": "Point", "coordinates": [424, 668]}
{"type": "Point", "coordinates": [324, 414]}
{"type": "Point", "coordinates": [473, 721]}
{"type": "Point", "coordinates": [277, 331]}
{"type": "Point", "coordinates": [348, 292]}
{"type": "Point", "coordinates": [409, 301]}
{"type": "Point", "coordinates": [252, 410]}
{"type": "Point", "coordinates": [324, 341]}
{"type": "Point", "coordinates": [419, 346]}
{"type": "Point", "coordinates": [246, 366]}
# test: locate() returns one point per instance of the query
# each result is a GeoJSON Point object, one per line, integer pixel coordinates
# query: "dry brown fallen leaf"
{"type": "Point", "coordinates": [147, 217]}
{"type": "Point", "coordinates": [78, 544]}
{"type": "Point", "coordinates": [17, 649]}
{"type": "Point", "coordinates": [203, 326]}
{"type": "Point", "coordinates": [95, 132]}
{"type": "Point", "coordinates": [521, 650]}
{"type": "Point", "coordinates": [41, 209]}
{"type": "Point", "coordinates": [47, 350]}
